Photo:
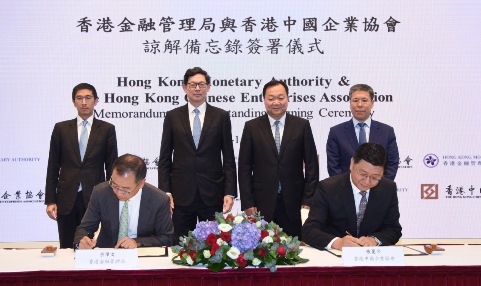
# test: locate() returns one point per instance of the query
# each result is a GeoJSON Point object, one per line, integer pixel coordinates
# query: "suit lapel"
{"type": "Point", "coordinates": [93, 136]}
{"type": "Point", "coordinates": [144, 211]}
{"type": "Point", "coordinates": [373, 132]}
{"type": "Point", "coordinates": [113, 211]}
{"type": "Point", "coordinates": [184, 119]}
{"type": "Point", "coordinates": [351, 134]}
{"type": "Point", "coordinates": [208, 118]}
{"type": "Point", "coordinates": [73, 137]}
{"type": "Point", "coordinates": [347, 198]}
{"type": "Point", "coordinates": [266, 130]}
{"type": "Point", "coordinates": [287, 134]}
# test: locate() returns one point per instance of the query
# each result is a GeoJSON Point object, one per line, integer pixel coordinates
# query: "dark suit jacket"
{"type": "Point", "coordinates": [342, 143]}
{"type": "Point", "coordinates": [209, 168]}
{"type": "Point", "coordinates": [261, 167]}
{"type": "Point", "coordinates": [154, 227]}
{"type": "Point", "coordinates": [65, 171]}
{"type": "Point", "coordinates": [333, 212]}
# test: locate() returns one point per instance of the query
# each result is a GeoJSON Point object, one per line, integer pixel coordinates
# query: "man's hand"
{"type": "Point", "coordinates": [250, 211]}
{"type": "Point", "coordinates": [171, 203]}
{"type": "Point", "coordinates": [228, 203]}
{"type": "Point", "coordinates": [367, 241]}
{"type": "Point", "coordinates": [87, 243]}
{"type": "Point", "coordinates": [346, 241]}
{"type": "Point", "coordinates": [126, 242]}
{"type": "Point", "coordinates": [52, 211]}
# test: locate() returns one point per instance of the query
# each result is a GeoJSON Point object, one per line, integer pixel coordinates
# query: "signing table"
{"type": "Point", "coordinates": [458, 265]}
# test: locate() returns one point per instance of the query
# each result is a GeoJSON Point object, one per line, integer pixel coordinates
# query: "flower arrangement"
{"type": "Point", "coordinates": [237, 241]}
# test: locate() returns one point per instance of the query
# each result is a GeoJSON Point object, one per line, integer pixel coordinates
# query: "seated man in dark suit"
{"type": "Point", "coordinates": [133, 213]}
{"type": "Point", "coordinates": [359, 208]}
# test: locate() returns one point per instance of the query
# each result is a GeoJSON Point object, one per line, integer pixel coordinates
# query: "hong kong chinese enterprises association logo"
{"type": "Point", "coordinates": [429, 191]}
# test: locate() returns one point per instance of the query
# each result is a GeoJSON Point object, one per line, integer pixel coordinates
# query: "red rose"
{"type": "Point", "coordinates": [182, 253]}
{"type": "Point", "coordinates": [225, 236]}
{"type": "Point", "coordinates": [214, 248]}
{"type": "Point", "coordinates": [252, 219]}
{"type": "Point", "coordinates": [276, 238]}
{"type": "Point", "coordinates": [281, 251]}
{"type": "Point", "coordinates": [264, 233]}
{"type": "Point", "coordinates": [192, 254]}
{"type": "Point", "coordinates": [230, 217]}
{"type": "Point", "coordinates": [211, 239]}
{"type": "Point", "coordinates": [262, 252]}
{"type": "Point", "coordinates": [241, 261]}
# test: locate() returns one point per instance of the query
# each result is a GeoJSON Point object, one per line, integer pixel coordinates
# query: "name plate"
{"type": "Point", "coordinates": [373, 256]}
{"type": "Point", "coordinates": [106, 258]}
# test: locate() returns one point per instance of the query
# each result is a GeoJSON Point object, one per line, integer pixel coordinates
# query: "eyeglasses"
{"type": "Point", "coordinates": [194, 85]}
{"type": "Point", "coordinates": [81, 98]}
{"type": "Point", "coordinates": [118, 189]}
{"type": "Point", "coordinates": [364, 175]}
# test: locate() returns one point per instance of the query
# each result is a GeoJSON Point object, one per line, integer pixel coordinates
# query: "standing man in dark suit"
{"type": "Point", "coordinates": [133, 213]}
{"type": "Point", "coordinates": [80, 150]}
{"type": "Point", "coordinates": [200, 176]}
{"type": "Point", "coordinates": [359, 208]}
{"type": "Point", "coordinates": [278, 166]}
{"type": "Point", "coordinates": [344, 138]}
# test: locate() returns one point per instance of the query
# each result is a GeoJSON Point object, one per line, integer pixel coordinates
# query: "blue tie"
{"type": "Point", "coordinates": [362, 210]}
{"type": "Point", "coordinates": [84, 138]}
{"type": "Point", "coordinates": [196, 128]}
{"type": "Point", "coordinates": [277, 137]}
{"type": "Point", "coordinates": [362, 133]}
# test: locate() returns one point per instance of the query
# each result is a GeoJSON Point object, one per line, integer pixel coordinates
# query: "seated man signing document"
{"type": "Point", "coordinates": [133, 213]}
{"type": "Point", "coordinates": [359, 208]}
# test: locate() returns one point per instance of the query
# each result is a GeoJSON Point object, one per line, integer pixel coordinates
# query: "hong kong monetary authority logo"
{"type": "Point", "coordinates": [431, 160]}
{"type": "Point", "coordinates": [429, 191]}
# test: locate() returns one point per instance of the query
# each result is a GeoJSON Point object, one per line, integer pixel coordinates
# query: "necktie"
{"type": "Point", "coordinates": [362, 133]}
{"type": "Point", "coordinates": [196, 128]}
{"type": "Point", "coordinates": [84, 138]}
{"type": "Point", "coordinates": [362, 210]}
{"type": "Point", "coordinates": [277, 136]}
{"type": "Point", "coordinates": [124, 221]}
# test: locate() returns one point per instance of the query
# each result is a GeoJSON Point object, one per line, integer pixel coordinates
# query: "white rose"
{"type": "Point", "coordinates": [267, 239]}
{"type": "Point", "coordinates": [258, 224]}
{"type": "Point", "coordinates": [238, 219]}
{"type": "Point", "coordinates": [189, 260]}
{"type": "Point", "coordinates": [283, 239]}
{"type": "Point", "coordinates": [233, 252]}
{"type": "Point", "coordinates": [256, 261]}
{"type": "Point", "coordinates": [271, 232]}
{"type": "Point", "coordinates": [225, 227]}
{"type": "Point", "coordinates": [206, 253]}
{"type": "Point", "coordinates": [221, 242]}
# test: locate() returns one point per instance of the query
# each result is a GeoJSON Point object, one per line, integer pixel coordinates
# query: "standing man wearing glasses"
{"type": "Point", "coordinates": [133, 213]}
{"type": "Point", "coordinates": [344, 138]}
{"type": "Point", "coordinates": [82, 152]}
{"type": "Point", "coordinates": [196, 163]}
{"type": "Point", "coordinates": [359, 208]}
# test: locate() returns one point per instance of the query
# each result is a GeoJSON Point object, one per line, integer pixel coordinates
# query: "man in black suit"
{"type": "Point", "coordinates": [200, 177]}
{"type": "Point", "coordinates": [75, 166]}
{"type": "Point", "coordinates": [344, 138]}
{"type": "Point", "coordinates": [359, 208]}
{"type": "Point", "coordinates": [147, 214]}
{"type": "Point", "coordinates": [278, 165]}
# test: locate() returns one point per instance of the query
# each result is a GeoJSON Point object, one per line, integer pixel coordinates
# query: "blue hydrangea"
{"type": "Point", "coordinates": [245, 236]}
{"type": "Point", "coordinates": [204, 228]}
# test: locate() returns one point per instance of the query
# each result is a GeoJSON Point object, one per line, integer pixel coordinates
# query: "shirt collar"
{"type": "Point", "coordinates": [201, 107]}
{"type": "Point", "coordinates": [368, 122]}
{"type": "Point", "coordinates": [282, 120]}
{"type": "Point", "coordinates": [89, 120]}
{"type": "Point", "coordinates": [355, 190]}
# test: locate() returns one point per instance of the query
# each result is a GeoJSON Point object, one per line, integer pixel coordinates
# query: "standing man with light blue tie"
{"type": "Point", "coordinates": [196, 162]}
{"type": "Point", "coordinates": [344, 138]}
{"type": "Point", "coordinates": [82, 152]}
{"type": "Point", "coordinates": [278, 166]}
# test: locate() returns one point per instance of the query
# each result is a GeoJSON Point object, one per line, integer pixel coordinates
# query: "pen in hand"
{"type": "Point", "coordinates": [347, 232]}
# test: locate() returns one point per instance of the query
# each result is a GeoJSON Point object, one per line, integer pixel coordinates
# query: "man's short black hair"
{"type": "Point", "coordinates": [195, 71]}
{"type": "Point", "coordinates": [274, 82]}
{"type": "Point", "coordinates": [372, 153]}
{"type": "Point", "coordinates": [81, 86]}
{"type": "Point", "coordinates": [129, 163]}
{"type": "Point", "coordinates": [361, 87]}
